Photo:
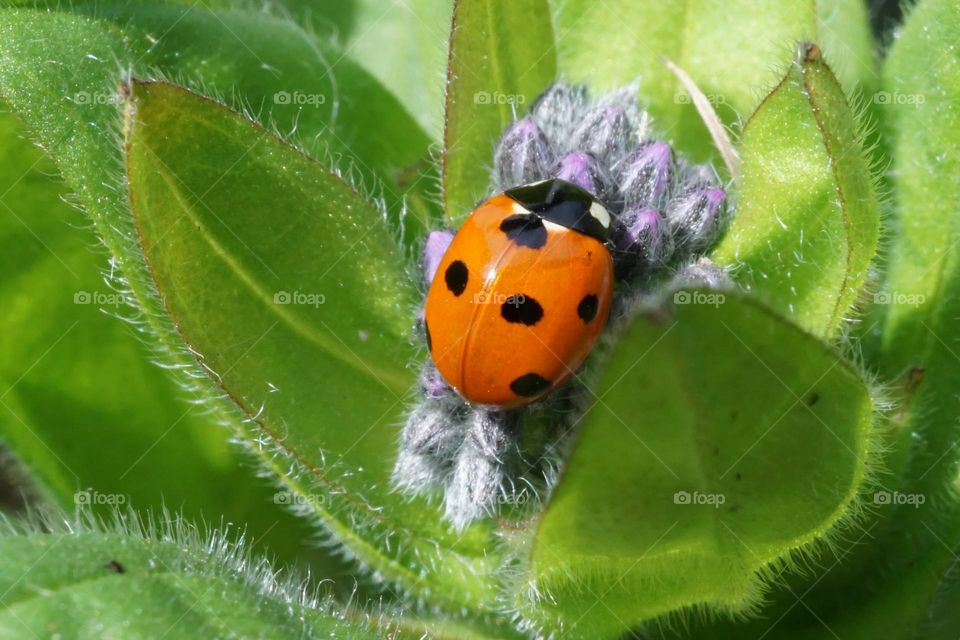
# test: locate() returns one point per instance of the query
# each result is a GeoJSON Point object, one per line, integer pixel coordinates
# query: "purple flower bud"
{"type": "Point", "coordinates": [433, 250]}
{"type": "Point", "coordinates": [605, 132]}
{"type": "Point", "coordinates": [582, 170]}
{"type": "Point", "coordinates": [576, 168]}
{"type": "Point", "coordinates": [433, 384]}
{"type": "Point", "coordinates": [638, 225]}
{"type": "Point", "coordinates": [523, 155]}
{"type": "Point", "coordinates": [645, 174]}
{"type": "Point", "coordinates": [695, 217]}
{"type": "Point", "coordinates": [643, 242]}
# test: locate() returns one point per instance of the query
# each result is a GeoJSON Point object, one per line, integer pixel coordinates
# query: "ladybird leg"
{"type": "Point", "coordinates": [477, 473]}
{"type": "Point", "coordinates": [522, 156]}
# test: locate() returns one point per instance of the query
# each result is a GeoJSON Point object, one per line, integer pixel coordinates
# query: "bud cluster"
{"type": "Point", "coordinates": [667, 210]}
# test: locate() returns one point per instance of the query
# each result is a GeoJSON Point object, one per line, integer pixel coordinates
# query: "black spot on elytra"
{"type": "Point", "coordinates": [813, 399]}
{"type": "Point", "coordinates": [115, 566]}
{"type": "Point", "coordinates": [456, 277]}
{"type": "Point", "coordinates": [521, 308]}
{"type": "Point", "coordinates": [587, 309]}
{"type": "Point", "coordinates": [525, 229]}
{"type": "Point", "coordinates": [529, 385]}
{"type": "Point", "coordinates": [426, 330]}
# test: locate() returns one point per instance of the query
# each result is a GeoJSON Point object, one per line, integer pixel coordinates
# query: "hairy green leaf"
{"type": "Point", "coordinates": [729, 48]}
{"type": "Point", "coordinates": [718, 443]}
{"type": "Point", "coordinates": [90, 418]}
{"type": "Point", "coordinates": [888, 588]}
{"type": "Point", "coordinates": [417, 32]}
{"type": "Point", "coordinates": [502, 57]}
{"type": "Point", "coordinates": [920, 338]}
{"type": "Point", "coordinates": [85, 583]}
{"type": "Point", "coordinates": [82, 139]}
{"type": "Point", "coordinates": [942, 619]}
{"type": "Point", "coordinates": [894, 578]}
{"type": "Point", "coordinates": [296, 81]}
{"type": "Point", "coordinates": [290, 290]}
{"type": "Point", "coordinates": [807, 221]}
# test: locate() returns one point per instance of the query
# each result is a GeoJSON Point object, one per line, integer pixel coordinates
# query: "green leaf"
{"type": "Point", "coordinates": [889, 587]}
{"type": "Point", "coordinates": [82, 582]}
{"type": "Point", "coordinates": [922, 115]}
{"type": "Point", "coordinates": [720, 443]}
{"type": "Point", "coordinates": [807, 221]}
{"type": "Point", "coordinates": [298, 82]}
{"type": "Point", "coordinates": [920, 337]}
{"type": "Point", "coordinates": [895, 579]}
{"type": "Point", "coordinates": [502, 56]}
{"type": "Point", "coordinates": [46, 60]}
{"type": "Point", "coordinates": [731, 50]}
{"type": "Point", "coordinates": [292, 292]}
{"type": "Point", "coordinates": [404, 45]}
{"type": "Point", "coordinates": [87, 413]}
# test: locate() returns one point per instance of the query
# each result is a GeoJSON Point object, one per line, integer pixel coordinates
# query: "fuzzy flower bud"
{"type": "Point", "coordinates": [557, 109]}
{"type": "Point", "coordinates": [694, 217]}
{"type": "Point", "coordinates": [433, 249]}
{"type": "Point", "coordinates": [431, 430]}
{"type": "Point", "coordinates": [704, 274]}
{"type": "Point", "coordinates": [433, 385]}
{"type": "Point", "coordinates": [415, 473]}
{"type": "Point", "coordinates": [605, 132]}
{"type": "Point", "coordinates": [522, 156]}
{"type": "Point", "coordinates": [472, 488]}
{"type": "Point", "coordinates": [478, 470]}
{"type": "Point", "coordinates": [645, 175]}
{"type": "Point", "coordinates": [582, 170]}
{"type": "Point", "coordinates": [643, 242]}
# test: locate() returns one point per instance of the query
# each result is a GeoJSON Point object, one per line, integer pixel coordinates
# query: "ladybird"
{"type": "Point", "coordinates": [521, 294]}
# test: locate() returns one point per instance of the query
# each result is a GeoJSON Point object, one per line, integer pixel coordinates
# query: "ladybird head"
{"type": "Point", "coordinates": [565, 204]}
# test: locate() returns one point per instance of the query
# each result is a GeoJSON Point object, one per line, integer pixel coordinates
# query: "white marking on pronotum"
{"type": "Point", "coordinates": [554, 227]}
{"type": "Point", "coordinates": [518, 208]}
{"type": "Point", "coordinates": [600, 212]}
